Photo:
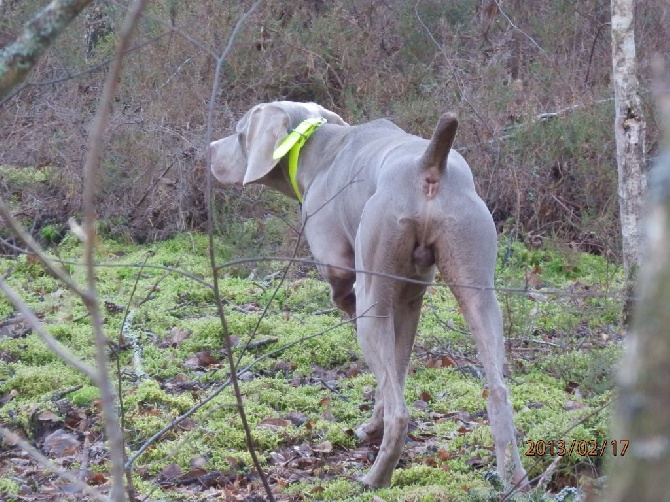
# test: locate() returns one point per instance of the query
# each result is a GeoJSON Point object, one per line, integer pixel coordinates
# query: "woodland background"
{"type": "Point", "coordinates": [531, 85]}
{"type": "Point", "coordinates": [531, 82]}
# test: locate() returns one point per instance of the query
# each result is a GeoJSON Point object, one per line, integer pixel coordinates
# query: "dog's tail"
{"type": "Point", "coordinates": [433, 161]}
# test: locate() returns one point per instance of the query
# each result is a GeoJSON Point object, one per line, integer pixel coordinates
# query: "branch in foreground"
{"type": "Point", "coordinates": [223, 386]}
{"type": "Point", "coordinates": [212, 257]}
{"type": "Point", "coordinates": [91, 168]}
{"type": "Point", "coordinates": [19, 58]}
{"type": "Point", "coordinates": [54, 345]}
{"type": "Point", "coordinates": [12, 438]}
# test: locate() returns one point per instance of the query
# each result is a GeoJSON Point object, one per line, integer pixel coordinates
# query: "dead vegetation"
{"type": "Point", "coordinates": [533, 98]}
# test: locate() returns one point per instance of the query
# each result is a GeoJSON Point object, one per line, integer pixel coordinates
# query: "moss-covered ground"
{"type": "Point", "coordinates": [303, 398]}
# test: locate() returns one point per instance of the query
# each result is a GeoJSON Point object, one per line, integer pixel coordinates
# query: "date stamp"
{"type": "Point", "coordinates": [582, 447]}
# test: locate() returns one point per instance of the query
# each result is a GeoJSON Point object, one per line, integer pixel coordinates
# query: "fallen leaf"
{"type": "Point", "coordinates": [197, 462]}
{"type": "Point", "coordinates": [464, 430]}
{"type": "Point", "coordinates": [475, 462]}
{"type": "Point", "coordinates": [205, 358]}
{"type": "Point", "coordinates": [353, 371]}
{"type": "Point", "coordinates": [274, 423]}
{"type": "Point", "coordinates": [277, 458]}
{"type": "Point", "coordinates": [170, 471]}
{"type": "Point", "coordinates": [113, 308]}
{"type": "Point", "coordinates": [573, 405]}
{"type": "Point", "coordinates": [420, 404]}
{"type": "Point", "coordinates": [61, 444]}
{"type": "Point", "coordinates": [440, 362]}
{"type": "Point", "coordinates": [368, 393]}
{"type": "Point", "coordinates": [12, 394]}
{"type": "Point", "coordinates": [179, 335]}
{"type": "Point", "coordinates": [297, 418]}
{"type": "Point", "coordinates": [48, 416]}
{"type": "Point", "coordinates": [327, 414]}
{"type": "Point", "coordinates": [325, 447]}
{"type": "Point", "coordinates": [95, 478]}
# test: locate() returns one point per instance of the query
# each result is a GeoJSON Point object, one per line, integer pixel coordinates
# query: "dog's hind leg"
{"type": "Point", "coordinates": [467, 265]}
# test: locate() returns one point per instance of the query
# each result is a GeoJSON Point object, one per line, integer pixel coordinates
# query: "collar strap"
{"type": "Point", "coordinates": [292, 144]}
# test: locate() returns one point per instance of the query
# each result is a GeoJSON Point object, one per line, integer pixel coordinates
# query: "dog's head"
{"type": "Point", "coordinates": [246, 156]}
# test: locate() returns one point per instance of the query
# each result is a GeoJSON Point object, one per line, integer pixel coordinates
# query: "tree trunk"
{"type": "Point", "coordinates": [17, 59]}
{"type": "Point", "coordinates": [643, 411]}
{"type": "Point", "coordinates": [629, 130]}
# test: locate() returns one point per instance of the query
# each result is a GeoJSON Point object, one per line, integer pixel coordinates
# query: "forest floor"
{"type": "Point", "coordinates": [306, 387]}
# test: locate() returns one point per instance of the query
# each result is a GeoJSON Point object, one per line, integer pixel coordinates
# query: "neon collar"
{"type": "Point", "coordinates": [292, 144]}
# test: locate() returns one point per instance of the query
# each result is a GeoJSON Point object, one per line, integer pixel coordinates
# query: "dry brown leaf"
{"type": "Point", "coordinates": [170, 471]}
{"type": "Point", "coordinates": [61, 444]}
{"type": "Point", "coordinates": [48, 416]}
{"type": "Point", "coordinates": [179, 335]}
{"type": "Point", "coordinates": [274, 423]}
{"type": "Point", "coordinates": [324, 447]}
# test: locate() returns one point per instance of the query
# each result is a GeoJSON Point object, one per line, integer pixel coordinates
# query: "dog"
{"type": "Point", "coordinates": [380, 205]}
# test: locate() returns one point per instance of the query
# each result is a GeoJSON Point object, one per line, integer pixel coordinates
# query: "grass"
{"type": "Point", "coordinates": [304, 401]}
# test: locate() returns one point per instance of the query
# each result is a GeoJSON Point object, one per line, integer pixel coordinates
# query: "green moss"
{"type": "Point", "coordinates": [312, 376]}
{"type": "Point", "coordinates": [85, 395]}
{"type": "Point", "coordinates": [9, 489]}
{"type": "Point", "coordinates": [34, 381]}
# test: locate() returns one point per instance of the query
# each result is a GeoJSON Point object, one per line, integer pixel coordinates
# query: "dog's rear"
{"type": "Point", "coordinates": [387, 202]}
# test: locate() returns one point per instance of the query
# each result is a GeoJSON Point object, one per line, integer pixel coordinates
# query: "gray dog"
{"type": "Point", "coordinates": [377, 204]}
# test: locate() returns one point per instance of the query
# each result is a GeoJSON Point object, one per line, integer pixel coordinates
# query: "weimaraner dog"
{"type": "Point", "coordinates": [379, 204]}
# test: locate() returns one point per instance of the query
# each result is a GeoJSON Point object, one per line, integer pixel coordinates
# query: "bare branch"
{"type": "Point", "coordinates": [48, 263]}
{"type": "Point", "coordinates": [17, 59]}
{"type": "Point", "coordinates": [12, 438]}
{"type": "Point", "coordinates": [511, 23]}
{"type": "Point", "coordinates": [54, 345]}
{"type": "Point", "coordinates": [212, 256]}
{"type": "Point", "coordinates": [91, 168]}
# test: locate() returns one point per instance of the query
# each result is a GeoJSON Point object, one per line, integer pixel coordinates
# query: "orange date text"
{"type": "Point", "coordinates": [581, 447]}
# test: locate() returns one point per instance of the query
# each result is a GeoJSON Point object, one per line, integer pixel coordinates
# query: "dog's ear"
{"type": "Point", "coordinates": [246, 156]}
{"type": "Point", "coordinates": [331, 117]}
{"type": "Point", "coordinates": [229, 162]}
{"type": "Point", "coordinates": [265, 127]}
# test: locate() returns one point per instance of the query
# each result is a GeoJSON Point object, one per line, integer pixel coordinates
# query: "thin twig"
{"type": "Point", "coordinates": [12, 438]}
{"type": "Point", "coordinates": [220, 388]}
{"type": "Point", "coordinates": [511, 23]}
{"type": "Point", "coordinates": [593, 48]}
{"type": "Point", "coordinates": [54, 345]}
{"type": "Point", "coordinates": [212, 255]}
{"type": "Point", "coordinates": [91, 168]}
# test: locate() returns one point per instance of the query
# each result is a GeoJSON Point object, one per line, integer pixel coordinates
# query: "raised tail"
{"type": "Point", "coordinates": [433, 161]}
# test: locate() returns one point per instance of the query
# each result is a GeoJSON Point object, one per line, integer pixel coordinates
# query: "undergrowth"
{"type": "Point", "coordinates": [304, 401]}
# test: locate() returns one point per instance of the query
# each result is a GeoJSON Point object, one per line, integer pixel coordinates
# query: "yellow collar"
{"type": "Point", "coordinates": [292, 144]}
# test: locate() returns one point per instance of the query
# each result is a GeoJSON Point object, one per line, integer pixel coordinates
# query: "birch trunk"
{"type": "Point", "coordinates": [629, 128]}
{"type": "Point", "coordinates": [643, 408]}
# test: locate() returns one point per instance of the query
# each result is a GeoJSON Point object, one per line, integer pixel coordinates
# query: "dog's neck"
{"type": "Point", "coordinates": [313, 158]}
